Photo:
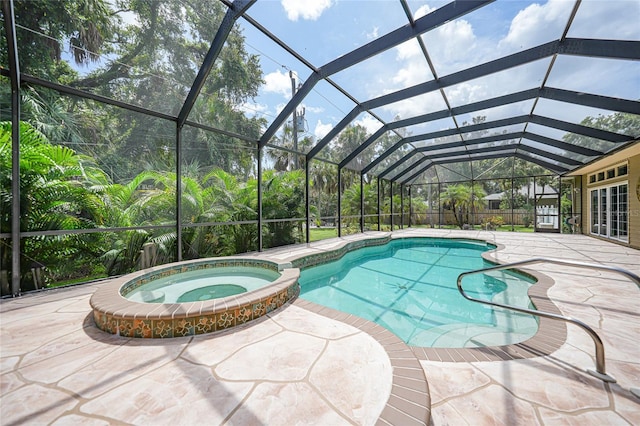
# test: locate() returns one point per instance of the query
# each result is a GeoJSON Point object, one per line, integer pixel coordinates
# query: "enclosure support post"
{"type": "Point", "coordinates": [410, 207]}
{"type": "Point", "coordinates": [14, 71]}
{"type": "Point", "coordinates": [379, 183]}
{"type": "Point", "coordinates": [307, 208]}
{"type": "Point", "coordinates": [294, 122]}
{"type": "Point", "coordinates": [179, 192]}
{"type": "Point", "coordinates": [391, 204]}
{"type": "Point", "coordinates": [259, 199]}
{"type": "Point", "coordinates": [339, 202]}
{"type": "Point", "coordinates": [439, 206]}
{"type": "Point", "coordinates": [512, 207]}
{"type": "Point", "coordinates": [401, 206]}
{"type": "Point", "coordinates": [361, 202]}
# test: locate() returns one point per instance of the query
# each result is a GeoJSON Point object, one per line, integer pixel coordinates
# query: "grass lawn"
{"type": "Point", "coordinates": [316, 234]}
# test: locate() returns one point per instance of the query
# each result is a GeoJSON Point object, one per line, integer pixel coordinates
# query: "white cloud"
{"type": "Point", "coordinates": [612, 19]}
{"type": "Point", "coordinates": [526, 27]}
{"type": "Point", "coordinates": [305, 9]}
{"type": "Point", "coordinates": [466, 93]}
{"type": "Point", "coordinates": [369, 123]}
{"type": "Point", "coordinates": [312, 109]}
{"type": "Point", "coordinates": [280, 107]}
{"type": "Point", "coordinates": [278, 82]}
{"type": "Point", "coordinates": [322, 129]}
{"type": "Point", "coordinates": [254, 108]}
{"type": "Point", "coordinates": [373, 34]}
{"type": "Point", "coordinates": [422, 11]}
{"type": "Point", "coordinates": [417, 105]}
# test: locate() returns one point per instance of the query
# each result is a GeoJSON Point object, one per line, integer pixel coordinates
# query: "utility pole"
{"type": "Point", "coordinates": [295, 122]}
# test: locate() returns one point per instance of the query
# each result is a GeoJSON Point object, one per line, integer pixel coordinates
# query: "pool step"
{"type": "Point", "coordinates": [467, 336]}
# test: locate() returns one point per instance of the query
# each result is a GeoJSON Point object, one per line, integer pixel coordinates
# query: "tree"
{"type": "Point", "coordinates": [463, 200]}
{"type": "Point", "coordinates": [619, 122]}
{"type": "Point", "coordinates": [84, 25]}
{"type": "Point", "coordinates": [59, 190]}
{"type": "Point", "coordinates": [283, 198]}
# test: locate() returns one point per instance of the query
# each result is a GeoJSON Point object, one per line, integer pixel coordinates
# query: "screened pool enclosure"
{"type": "Point", "coordinates": [136, 133]}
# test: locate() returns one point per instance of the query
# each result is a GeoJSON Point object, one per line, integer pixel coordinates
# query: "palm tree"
{"type": "Point", "coordinates": [463, 200]}
{"type": "Point", "coordinates": [59, 190]}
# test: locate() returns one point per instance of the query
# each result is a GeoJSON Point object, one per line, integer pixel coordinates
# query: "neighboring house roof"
{"type": "Point", "coordinates": [527, 190]}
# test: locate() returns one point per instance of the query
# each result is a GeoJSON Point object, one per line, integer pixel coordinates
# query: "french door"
{"type": "Point", "coordinates": [609, 211]}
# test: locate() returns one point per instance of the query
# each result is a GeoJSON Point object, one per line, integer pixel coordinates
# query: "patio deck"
{"type": "Point", "coordinates": [297, 366]}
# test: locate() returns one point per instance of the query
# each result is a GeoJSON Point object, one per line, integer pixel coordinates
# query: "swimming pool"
{"type": "Point", "coordinates": [409, 287]}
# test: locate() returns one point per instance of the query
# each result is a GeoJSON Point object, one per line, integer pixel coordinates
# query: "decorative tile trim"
{"type": "Point", "coordinates": [331, 255]}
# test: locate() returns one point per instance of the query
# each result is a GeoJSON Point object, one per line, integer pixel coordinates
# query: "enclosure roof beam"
{"type": "Point", "coordinates": [397, 163]}
{"type": "Point", "coordinates": [426, 23]}
{"type": "Point", "coordinates": [596, 101]}
{"type": "Point", "coordinates": [410, 169]}
{"type": "Point", "coordinates": [334, 132]}
{"type": "Point", "coordinates": [384, 155]}
{"type": "Point", "coordinates": [467, 129]}
{"type": "Point", "coordinates": [381, 131]}
{"type": "Point", "coordinates": [587, 99]}
{"type": "Point", "coordinates": [543, 121]}
{"type": "Point", "coordinates": [463, 109]}
{"type": "Point", "coordinates": [496, 138]}
{"type": "Point", "coordinates": [233, 13]}
{"type": "Point", "coordinates": [517, 135]}
{"type": "Point", "coordinates": [578, 47]}
{"type": "Point", "coordinates": [418, 173]}
{"type": "Point", "coordinates": [510, 146]}
{"type": "Point", "coordinates": [553, 167]}
{"type": "Point", "coordinates": [446, 161]}
{"type": "Point", "coordinates": [579, 129]}
{"type": "Point", "coordinates": [550, 156]}
{"type": "Point", "coordinates": [468, 151]}
{"type": "Point", "coordinates": [562, 145]}
{"type": "Point", "coordinates": [420, 26]}
{"type": "Point", "coordinates": [460, 157]}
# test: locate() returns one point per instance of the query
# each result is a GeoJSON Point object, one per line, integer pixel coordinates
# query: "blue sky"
{"type": "Point", "coordinates": [323, 30]}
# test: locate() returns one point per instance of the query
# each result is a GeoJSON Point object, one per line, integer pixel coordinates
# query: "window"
{"type": "Point", "coordinates": [600, 176]}
{"type": "Point", "coordinates": [592, 179]}
{"type": "Point", "coordinates": [622, 170]}
{"type": "Point", "coordinates": [611, 173]}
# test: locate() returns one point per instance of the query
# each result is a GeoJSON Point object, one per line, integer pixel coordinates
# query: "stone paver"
{"type": "Point", "coordinates": [296, 366]}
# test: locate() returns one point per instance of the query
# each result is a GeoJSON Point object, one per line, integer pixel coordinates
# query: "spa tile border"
{"type": "Point", "coordinates": [115, 314]}
{"type": "Point", "coordinates": [410, 402]}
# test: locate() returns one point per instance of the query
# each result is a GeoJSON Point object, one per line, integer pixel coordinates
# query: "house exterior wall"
{"type": "Point", "coordinates": [633, 178]}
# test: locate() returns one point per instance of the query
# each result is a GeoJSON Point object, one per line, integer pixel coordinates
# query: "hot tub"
{"type": "Point", "coordinates": [193, 297]}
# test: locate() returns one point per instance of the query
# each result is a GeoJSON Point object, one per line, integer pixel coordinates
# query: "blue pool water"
{"type": "Point", "coordinates": [203, 284]}
{"type": "Point", "coordinates": [409, 287]}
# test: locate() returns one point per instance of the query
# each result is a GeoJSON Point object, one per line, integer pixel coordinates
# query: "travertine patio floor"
{"type": "Point", "coordinates": [296, 366]}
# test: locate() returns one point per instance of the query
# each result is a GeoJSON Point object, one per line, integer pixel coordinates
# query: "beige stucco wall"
{"type": "Point", "coordinates": [633, 177]}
